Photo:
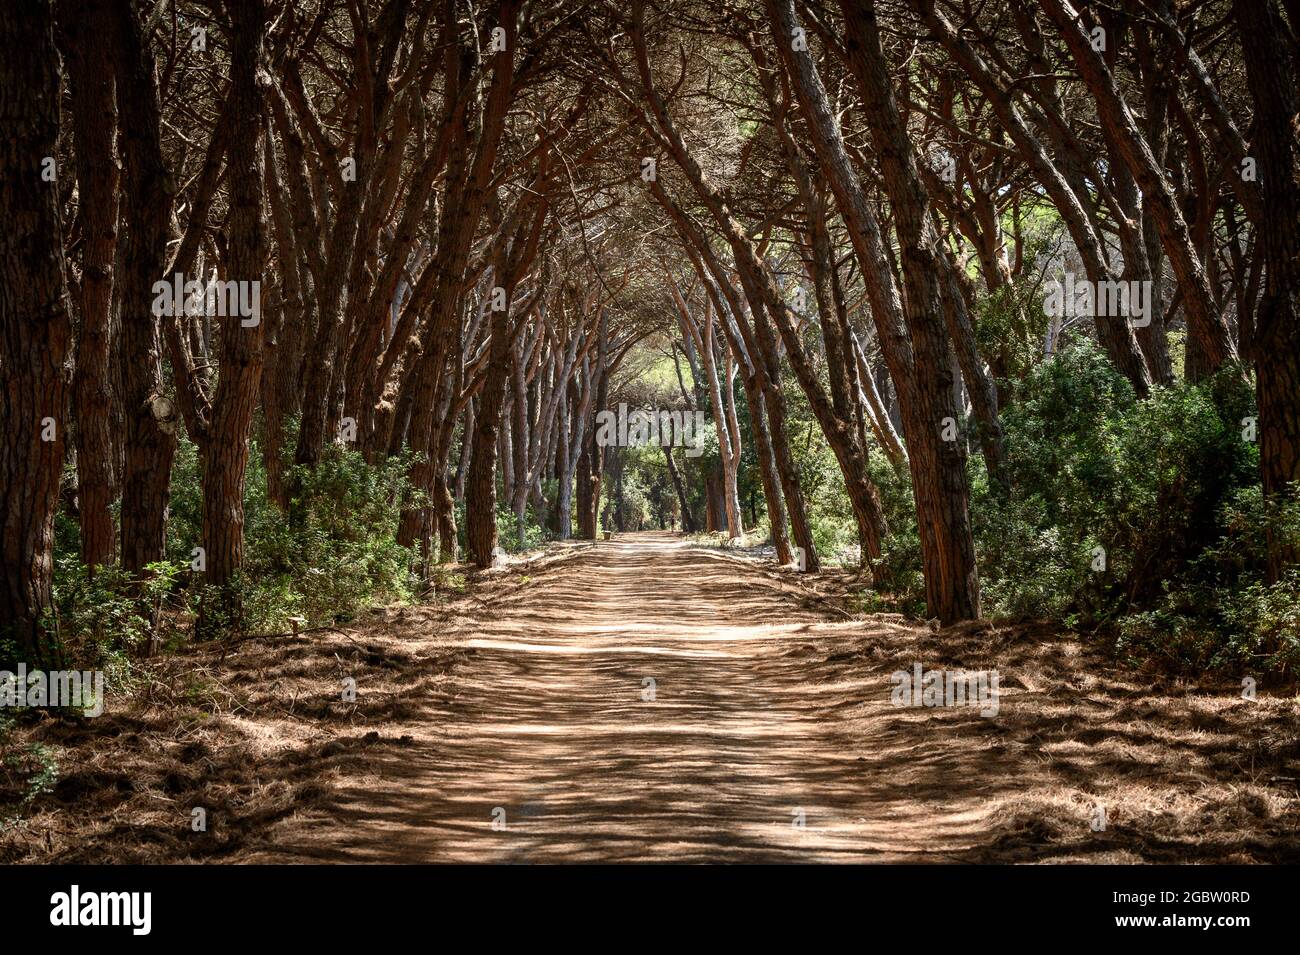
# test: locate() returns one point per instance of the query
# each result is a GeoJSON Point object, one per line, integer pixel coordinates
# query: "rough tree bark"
{"type": "Point", "coordinates": [1271, 67]}
{"type": "Point", "coordinates": [147, 191]}
{"type": "Point", "coordinates": [931, 284]}
{"type": "Point", "coordinates": [36, 330]}
{"type": "Point", "coordinates": [591, 461]}
{"type": "Point", "coordinates": [225, 453]}
{"type": "Point", "coordinates": [82, 27]}
{"type": "Point", "coordinates": [914, 349]}
{"type": "Point", "coordinates": [455, 235]}
{"type": "Point", "coordinates": [481, 488]}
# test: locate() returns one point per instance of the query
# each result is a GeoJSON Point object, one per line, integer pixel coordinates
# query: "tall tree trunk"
{"type": "Point", "coordinates": [282, 343]}
{"type": "Point", "coordinates": [466, 193]}
{"type": "Point", "coordinates": [82, 27]}
{"type": "Point", "coordinates": [36, 329]}
{"type": "Point", "coordinates": [147, 191]}
{"type": "Point", "coordinates": [1271, 67]}
{"type": "Point", "coordinates": [225, 453]}
{"type": "Point", "coordinates": [481, 485]}
{"type": "Point", "coordinates": [787, 469]}
{"type": "Point", "coordinates": [591, 462]}
{"type": "Point", "coordinates": [444, 507]}
{"type": "Point", "coordinates": [914, 348]}
{"type": "Point", "coordinates": [481, 491]}
{"type": "Point", "coordinates": [931, 284]}
{"type": "Point", "coordinates": [561, 514]}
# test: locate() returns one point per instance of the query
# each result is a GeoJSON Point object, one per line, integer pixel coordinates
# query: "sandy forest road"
{"type": "Point", "coordinates": [763, 711]}
{"type": "Point", "coordinates": [550, 723]}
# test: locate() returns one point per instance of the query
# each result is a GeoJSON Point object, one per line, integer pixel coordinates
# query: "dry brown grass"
{"type": "Point", "coordinates": [253, 733]}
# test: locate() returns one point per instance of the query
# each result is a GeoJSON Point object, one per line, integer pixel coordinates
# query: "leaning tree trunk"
{"type": "Point", "coordinates": [753, 370]}
{"type": "Point", "coordinates": [786, 468]}
{"type": "Point", "coordinates": [938, 466]}
{"type": "Point", "coordinates": [916, 357]}
{"type": "Point", "coordinates": [1204, 321]}
{"type": "Point", "coordinates": [36, 330]}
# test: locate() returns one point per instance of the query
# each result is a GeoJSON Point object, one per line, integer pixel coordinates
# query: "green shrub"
{"type": "Point", "coordinates": [834, 531]}
{"type": "Point", "coordinates": [904, 588]}
{"type": "Point", "coordinates": [1221, 613]}
{"type": "Point", "coordinates": [105, 620]}
{"type": "Point", "coordinates": [26, 771]}
{"type": "Point", "coordinates": [1092, 467]}
{"type": "Point", "coordinates": [337, 555]}
{"type": "Point", "coordinates": [508, 530]}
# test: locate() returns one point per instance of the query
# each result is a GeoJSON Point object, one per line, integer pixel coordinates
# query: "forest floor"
{"type": "Point", "coordinates": [513, 723]}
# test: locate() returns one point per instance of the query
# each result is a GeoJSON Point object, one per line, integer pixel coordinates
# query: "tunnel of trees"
{"type": "Point", "coordinates": [306, 305]}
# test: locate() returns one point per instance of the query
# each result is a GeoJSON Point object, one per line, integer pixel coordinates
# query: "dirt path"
{"type": "Point", "coordinates": [523, 700]}
{"type": "Point", "coordinates": [551, 728]}
{"type": "Point", "coordinates": [771, 737]}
